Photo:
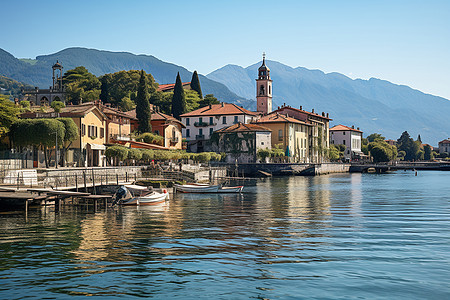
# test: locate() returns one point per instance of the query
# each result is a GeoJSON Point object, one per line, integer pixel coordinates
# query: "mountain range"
{"type": "Point", "coordinates": [38, 72]}
{"type": "Point", "coordinates": [374, 105]}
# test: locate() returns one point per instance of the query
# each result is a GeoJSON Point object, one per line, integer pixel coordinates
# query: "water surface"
{"type": "Point", "coordinates": [346, 236]}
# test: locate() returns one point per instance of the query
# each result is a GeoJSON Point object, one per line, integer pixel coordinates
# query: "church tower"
{"type": "Point", "coordinates": [264, 89]}
{"type": "Point", "coordinates": [57, 77]}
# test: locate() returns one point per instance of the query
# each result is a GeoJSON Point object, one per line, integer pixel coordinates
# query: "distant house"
{"type": "Point", "coordinates": [444, 146]}
{"type": "Point", "coordinates": [202, 122]}
{"type": "Point", "coordinates": [391, 142]}
{"type": "Point", "coordinates": [164, 125]}
{"type": "Point", "coordinates": [241, 142]}
{"type": "Point", "coordinates": [118, 123]}
{"type": "Point", "coordinates": [170, 87]}
{"type": "Point", "coordinates": [290, 134]}
{"type": "Point", "coordinates": [350, 137]}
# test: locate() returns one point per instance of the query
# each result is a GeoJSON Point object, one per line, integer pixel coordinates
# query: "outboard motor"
{"type": "Point", "coordinates": [120, 195]}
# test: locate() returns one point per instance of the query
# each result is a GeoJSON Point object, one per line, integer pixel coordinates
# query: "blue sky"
{"type": "Point", "coordinates": [405, 42]}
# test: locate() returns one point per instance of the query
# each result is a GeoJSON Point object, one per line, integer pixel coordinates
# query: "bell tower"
{"type": "Point", "coordinates": [57, 77]}
{"type": "Point", "coordinates": [264, 89]}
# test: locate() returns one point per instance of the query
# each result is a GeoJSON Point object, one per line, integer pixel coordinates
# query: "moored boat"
{"type": "Point", "coordinates": [202, 188]}
{"type": "Point", "coordinates": [138, 195]}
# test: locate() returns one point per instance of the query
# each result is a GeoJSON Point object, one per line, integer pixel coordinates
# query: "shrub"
{"type": "Point", "coordinates": [150, 138]}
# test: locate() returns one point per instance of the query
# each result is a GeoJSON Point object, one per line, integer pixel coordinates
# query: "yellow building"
{"type": "Point", "coordinates": [289, 134]}
{"type": "Point", "coordinates": [88, 149]}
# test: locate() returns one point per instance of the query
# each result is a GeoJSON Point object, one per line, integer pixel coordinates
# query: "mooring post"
{"type": "Point", "coordinates": [126, 176]}
{"type": "Point", "coordinates": [135, 176]}
{"type": "Point", "coordinates": [117, 178]}
{"type": "Point", "coordinates": [85, 184]}
{"type": "Point", "coordinates": [93, 182]}
{"type": "Point", "coordinates": [76, 182]}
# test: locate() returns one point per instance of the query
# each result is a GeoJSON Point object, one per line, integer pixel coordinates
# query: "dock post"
{"type": "Point", "coordinates": [135, 176]}
{"type": "Point", "coordinates": [117, 178]}
{"type": "Point", "coordinates": [93, 182]}
{"type": "Point", "coordinates": [76, 182]}
{"type": "Point", "coordinates": [106, 178]}
{"type": "Point", "coordinates": [126, 176]}
{"type": "Point", "coordinates": [84, 178]}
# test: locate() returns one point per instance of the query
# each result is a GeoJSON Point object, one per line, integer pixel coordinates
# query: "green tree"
{"type": "Point", "coordinates": [8, 114]}
{"type": "Point", "coordinates": [57, 105]}
{"type": "Point", "coordinates": [117, 153]}
{"type": "Point", "coordinates": [428, 152]}
{"type": "Point", "coordinates": [179, 99]}
{"type": "Point", "coordinates": [126, 104]}
{"type": "Point", "coordinates": [382, 151]}
{"type": "Point", "coordinates": [134, 154]}
{"type": "Point", "coordinates": [70, 134]}
{"type": "Point", "coordinates": [375, 137]}
{"type": "Point", "coordinates": [209, 99]}
{"type": "Point", "coordinates": [263, 154]}
{"type": "Point", "coordinates": [25, 104]}
{"type": "Point", "coordinates": [192, 100]}
{"type": "Point", "coordinates": [150, 138]}
{"type": "Point", "coordinates": [143, 112]}
{"type": "Point", "coordinates": [104, 88]}
{"type": "Point", "coordinates": [407, 144]}
{"type": "Point", "coordinates": [81, 86]}
{"type": "Point", "coordinates": [195, 84]}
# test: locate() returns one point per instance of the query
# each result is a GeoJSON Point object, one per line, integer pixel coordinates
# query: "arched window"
{"type": "Point", "coordinates": [261, 90]}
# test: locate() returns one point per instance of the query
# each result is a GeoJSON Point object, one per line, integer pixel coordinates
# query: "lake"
{"type": "Point", "coordinates": [343, 236]}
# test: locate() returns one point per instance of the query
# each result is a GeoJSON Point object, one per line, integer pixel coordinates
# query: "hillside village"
{"type": "Point", "coordinates": [105, 133]}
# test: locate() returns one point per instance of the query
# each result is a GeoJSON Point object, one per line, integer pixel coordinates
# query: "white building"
{"type": "Point", "coordinates": [444, 146]}
{"type": "Point", "coordinates": [348, 136]}
{"type": "Point", "coordinates": [202, 122]}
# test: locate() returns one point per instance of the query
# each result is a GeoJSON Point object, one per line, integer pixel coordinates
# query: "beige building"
{"type": "Point", "coordinates": [289, 134]}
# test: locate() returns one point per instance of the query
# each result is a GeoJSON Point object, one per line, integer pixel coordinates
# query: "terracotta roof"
{"type": "Point", "coordinates": [115, 111]}
{"type": "Point", "coordinates": [170, 86]}
{"type": "Point", "coordinates": [279, 118]}
{"type": "Point", "coordinates": [218, 110]}
{"type": "Point", "coordinates": [344, 128]}
{"type": "Point", "coordinates": [446, 141]}
{"type": "Point", "coordinates": [131, 113]}
{"type": "Point", "coordinates": [79, 110]}
{"type": "Point", "coordinates": [241, 127]}
{"type": "Point", "coordinates": [159, 116]}
{"type": "Point", "coordinates": [302, 111]}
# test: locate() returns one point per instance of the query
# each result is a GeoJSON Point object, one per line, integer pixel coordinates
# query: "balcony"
{"type": "Point", "coordinates": [119, 137]}
{"type": "Point", "coordinates": [201, 124]}
{"type": "Point", "coordinates": [200, 137]}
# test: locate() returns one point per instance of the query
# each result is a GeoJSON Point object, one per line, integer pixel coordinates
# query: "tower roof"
{"type": "Point", "coordinates": [263, 66]}
{"type": "Point", "coordinates": [57, 65]}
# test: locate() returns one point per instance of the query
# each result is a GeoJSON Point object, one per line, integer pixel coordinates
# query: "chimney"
{"type": "Point", "coordinates": [357, 128]}
{"type": "Point", "coordinates": [323, 114]}
{"type": "Point", "coordinates": [327, 115]}
{"type": "Point", "coordinates": [301, 107]}
{"type": "Point", "coordinates": [210, 106]}
{"type": "Point", "coordinates": [312, 110]}
{"type": "Point", "coordinates": [353, 126]}
{"type": "Point", "coordinates": [222, 104]}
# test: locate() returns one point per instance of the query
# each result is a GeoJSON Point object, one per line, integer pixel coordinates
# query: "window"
{"type": "Point", "coordinates": [83, 129]}
{"type": "Point", "coordinates": [224, 120]}
{"type": "Point", "coordinates": [343, 133]}
{"type": "Point", "coordinates": [211, 131]}
{"type": "Point", "coordinates": [200, 120]}
{"type": "Point", "coordinates": [236, 119]}
{"type": "Point", "coordinates": [200, 131]}
{"type": "Point", "coordinates": [102, 132]}
{"type": "Point", "coordinates": [188, 132]}
{"type": "Point", "coordinates": [262, 143]}
{"type": "Point", "coordinates": [211, 121]}
{"type": "Point", "coordinates": [96, 135]}
{"type": "Point", "coordinates": [187, 121]}
{"type": "Point", "coordinates": [343, 142]}
{"type": "Point", "coordinates": [156, 132]}
{"type": "Point", "coordinates": [280, 135]}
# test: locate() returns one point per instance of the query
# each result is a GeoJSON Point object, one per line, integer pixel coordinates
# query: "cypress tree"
{"type": "Point", "coordinates": [143, 112]}
{"type": "Point", "coordinates": [179, 98]}
{"type": "Point", "coordinates": [104, 93]}
{"type": "Point", "coordinates": [195, 84]}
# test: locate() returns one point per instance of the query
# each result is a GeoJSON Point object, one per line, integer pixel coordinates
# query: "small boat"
{"type": "Point", "coordinates": [138, 195]}
{"type": "Point", "coordinates": [203, 188]}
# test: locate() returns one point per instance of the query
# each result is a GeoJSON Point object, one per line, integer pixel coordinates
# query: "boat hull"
{"type": "Point", "coordinates": [205, 189]}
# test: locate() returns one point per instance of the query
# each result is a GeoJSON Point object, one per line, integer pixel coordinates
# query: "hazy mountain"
{"type": "Point", "coordinates": [374, 105]}
{"type": "Point", "coordinates": [39, 72]}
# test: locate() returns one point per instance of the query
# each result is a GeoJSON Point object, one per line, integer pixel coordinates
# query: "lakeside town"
{"type": "Point", "coordinates": [56, 127]}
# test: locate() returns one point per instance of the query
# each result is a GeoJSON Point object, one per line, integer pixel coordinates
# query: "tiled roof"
{"type": "Point", "coordinates": [446, 141]}
{"type": "Point", "coordinates": [344, 128]}
{"type": "Point", "coordinates": [170, 86]}
{"type": "Point", "coordinates": [109, 110]}
{"type": "Point", "coordinates": [302, 111]}
{"type": "Point", "coordinates": [219, 110]}
{"type": "Point", "coordinates": [79, 110]}
{"type": "Point", "coordinates": [279, 118]}
{"type": "Point", "coordinates": [241, 127]}
{"type": "Point", "coordinates": [159, 116]}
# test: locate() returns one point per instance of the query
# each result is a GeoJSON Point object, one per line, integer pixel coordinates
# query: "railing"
{"type": "Point", "coordinates": [200, 137]}
{"type": "Point", "coordinates": [118, 137]}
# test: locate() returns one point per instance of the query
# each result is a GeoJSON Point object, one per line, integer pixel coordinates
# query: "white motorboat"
{"type": "Point", "coordinates": [203, 188]}
{"type": "Point", "coordinates": [138, 195]}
